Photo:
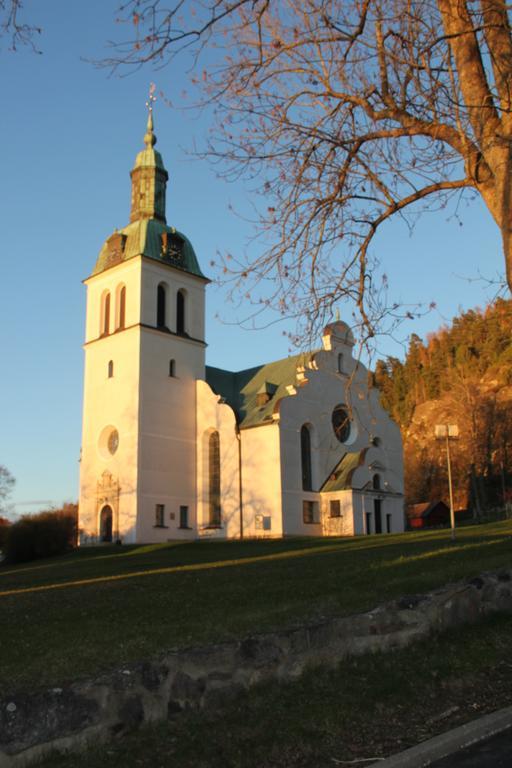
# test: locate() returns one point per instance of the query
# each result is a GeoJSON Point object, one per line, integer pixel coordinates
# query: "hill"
{"type": "Point", "coordinates": [461, 375]}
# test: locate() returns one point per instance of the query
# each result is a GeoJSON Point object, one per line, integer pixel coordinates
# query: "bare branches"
{"type": "Point", "coordinates": [18, 32]}
{"type": "Point", "coordinates": [343, 113]}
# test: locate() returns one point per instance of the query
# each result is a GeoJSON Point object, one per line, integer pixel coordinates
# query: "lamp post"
{"type": "Point", "coordinates": [448, 431]}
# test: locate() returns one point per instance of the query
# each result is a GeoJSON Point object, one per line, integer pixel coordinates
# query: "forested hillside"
{"type": "Point", "coordinates": [461, 375]}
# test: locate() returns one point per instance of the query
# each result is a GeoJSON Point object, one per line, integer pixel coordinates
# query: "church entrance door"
{"type": "Point", "coordinates": [106, 523]}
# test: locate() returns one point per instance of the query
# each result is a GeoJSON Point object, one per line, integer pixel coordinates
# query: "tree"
{"type": "Point", "coordinates": [6, 485]}
{"type": "Point", "coordinates": [345, 113]}
{"type": "Point", "coordinates": [12, 26]}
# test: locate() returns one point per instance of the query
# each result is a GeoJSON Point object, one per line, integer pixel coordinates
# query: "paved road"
{"type": "Point", "coordinates": [495, 752]}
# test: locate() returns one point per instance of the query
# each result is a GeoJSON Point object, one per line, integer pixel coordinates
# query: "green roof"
{"type": "Point", "coordinates": [242, 390]}
{"type": "Point", "coordinates": [144, 238]}
{"type": "Point", "coordinates": [341, 478]}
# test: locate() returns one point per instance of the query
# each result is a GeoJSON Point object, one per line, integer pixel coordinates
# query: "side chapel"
{"type": "Point", "coordinates": [173, 448]}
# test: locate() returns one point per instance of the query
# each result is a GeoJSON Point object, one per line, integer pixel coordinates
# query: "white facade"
{"type": "Point", "coordinates": [172, 449]}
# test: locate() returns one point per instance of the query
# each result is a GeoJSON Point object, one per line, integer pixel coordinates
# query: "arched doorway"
{"type": "Point", "coordinates": [106, 523]}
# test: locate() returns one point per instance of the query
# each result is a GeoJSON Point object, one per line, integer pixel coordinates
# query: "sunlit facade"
{"type": "Point", "coordinates": [175, 449]}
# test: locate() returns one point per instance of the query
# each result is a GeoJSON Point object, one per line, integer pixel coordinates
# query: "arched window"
{"type": "Point", "coordinates": [340, 363]}
{"type": "Point", "coordinates": [121, 307]}
{"type": "Point", "coordinates": [105, 314]}
{"type": "Point", "coordinates": [160, 306]}
{"type": "Point", "coordinates": [214, 479]}
{"type": "Point", "coordinates": [305, 457]}
{"type": "Point", "coordinates": [172, 368]}
{"type": "Point", "coordinates": [376, 482]}
{"type": "Point", "coordinates": [110, 369]}
{"type": "Point", "coordinates": [180, 312]}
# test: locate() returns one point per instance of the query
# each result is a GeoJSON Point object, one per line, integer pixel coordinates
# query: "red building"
{"type": "Point", "coordinates": [428, 514]}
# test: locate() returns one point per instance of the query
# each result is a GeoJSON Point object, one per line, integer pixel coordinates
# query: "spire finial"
{"type": "Point", "coordinates": [149, 137]}
{"type": "Point", "coordinates": [338, 318]}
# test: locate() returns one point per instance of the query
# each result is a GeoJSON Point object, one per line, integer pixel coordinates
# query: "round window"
{"type": "Point", "coordinates": [113, 441]}
{"type": "Point", "coordinates": [108, 442]}
{"type": "Point", "coordinates": [341, 423]}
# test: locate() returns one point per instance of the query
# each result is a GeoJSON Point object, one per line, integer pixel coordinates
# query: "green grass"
{"type": "Point", "coordinates": [223, 590]}
{"type": "Point", "coordinates": [371, 706]}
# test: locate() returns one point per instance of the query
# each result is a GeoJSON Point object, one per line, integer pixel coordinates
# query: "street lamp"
{"type": "Point", "coordinates": [448, 431]}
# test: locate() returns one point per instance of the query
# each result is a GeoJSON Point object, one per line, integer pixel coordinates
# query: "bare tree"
{"type": "Point", "coordinates": [6, 485]}
{"type": "Point", "coordinates": [12, 26]}
{"type": "Point", "coordinates": [345, 113]}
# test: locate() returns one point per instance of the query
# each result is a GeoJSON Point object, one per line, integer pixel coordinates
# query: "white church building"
{"type": "Point", "coordinates": [175, 449]}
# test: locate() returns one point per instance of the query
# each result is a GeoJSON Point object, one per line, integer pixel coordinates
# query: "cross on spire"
{"type": "Point", "coordinates": [151, 98]}
{"type": "Point", "coordinates": [150, 138]}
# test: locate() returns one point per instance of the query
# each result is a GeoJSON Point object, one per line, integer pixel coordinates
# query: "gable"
{"type": "Point", "coordinates": [242, 390]}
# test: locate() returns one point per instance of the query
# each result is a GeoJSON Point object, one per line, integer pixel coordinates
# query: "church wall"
{"type": "Point", "coordinates": [213, 416]}
{"type": "Point", "coordinates": [110, 403]}
{"type": "Point", "coordinates": [167, 460]}
{"type": "Point", "coordinates": [390, 505]}
{"type": "Point", "coordinates": [312, 405]}
{"type": "Point", "coordinates": [333, 378]}
{"type": "Point", "coordinates": [127, 274]}
{"type": "Point", "coordinates": [174, 280]}
{"type": "Point", "coordinates": [261, 476]}
{"type": "Point", "coordinates": [343, 525]}
{"type": "Point", "coordinates": [167, 442]}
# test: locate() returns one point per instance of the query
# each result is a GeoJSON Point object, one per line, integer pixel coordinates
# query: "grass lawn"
{"type": "Point", "coordinates": [98, 608]}
{"type": "Point", "coordinates": [368, 707]}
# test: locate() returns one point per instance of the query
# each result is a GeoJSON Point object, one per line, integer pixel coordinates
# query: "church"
{"type": "Point", "coordinates": [175, 449]}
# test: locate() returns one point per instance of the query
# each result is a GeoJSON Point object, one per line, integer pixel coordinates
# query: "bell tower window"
{"type": "Point", "coordinates": [110, 369]}
{"type": "Point", "coordinates": [121, 307]}
{"type": "Point", "coordinates": [105, 314]}
{"type": "Point", "coordinates": [180, 312]}
{"type": "Point", "coordinates": [161, 306]}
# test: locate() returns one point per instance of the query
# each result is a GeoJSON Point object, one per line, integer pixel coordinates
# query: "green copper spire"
{"type": "Point", "coordinates": [147, 234]}
{"type": "Point", "coordinates": [149, 177]}
{"type": "Point", "coordinates": [149, 136]}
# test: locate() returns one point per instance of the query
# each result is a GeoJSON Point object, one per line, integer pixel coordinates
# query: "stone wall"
{"type": "Point", "coordinates": [112, 704]}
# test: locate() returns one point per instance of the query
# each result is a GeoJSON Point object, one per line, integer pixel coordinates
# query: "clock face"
{"type": "Point", "coordinates": [113, 441]}
{"type": "Point", "coordinates": [341, 423]}
{"type": "Point", "coordinates": [172, 247]}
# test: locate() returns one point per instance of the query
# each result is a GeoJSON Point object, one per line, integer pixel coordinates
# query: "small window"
{"type": "Point", "coordinates": [183, 517]}
{"type": "Point", "coordinates": [172, 368]}
{"type": "Point", "coordinates": [180, 312]}
{"type": "Point", "coordinates": [388, 523]}
{"type": "Point", "coordinates": [160, 516]}
{"type": "Point", "coordinates": [110, 369]}
{"type": "Point", "coordinates": [340, 363]}
{"type": "Point", "coordinates": [262, 398]}
{"type": "Point", "coordinates": [376, 482]}
{"type": "Point", "coordinates": [368, 522]}
{"type": "Point", "coordinates": [310, 511]}
{"type": "Point", "coordinates": [335, 508]}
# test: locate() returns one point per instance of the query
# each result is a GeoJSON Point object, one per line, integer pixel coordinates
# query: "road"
{"type": "Point", "coordinates": [495, 752]}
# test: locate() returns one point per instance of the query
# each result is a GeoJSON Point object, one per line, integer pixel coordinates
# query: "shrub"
{"type": "Point", "coordinates": [4, 525]}
{"type": "Point", "coordinates": [42, 535]}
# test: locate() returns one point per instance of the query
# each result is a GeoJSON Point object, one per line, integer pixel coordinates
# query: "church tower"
{"type": "Point", "coordinates": [144, 351]}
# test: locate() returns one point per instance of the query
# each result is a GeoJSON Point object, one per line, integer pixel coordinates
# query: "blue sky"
{"type": "Point", "coordinates": [69, 135]}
